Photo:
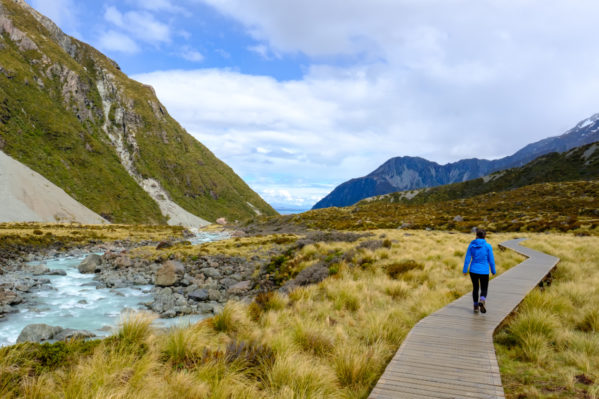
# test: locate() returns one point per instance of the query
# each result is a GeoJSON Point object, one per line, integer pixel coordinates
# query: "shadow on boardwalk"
{"type": "Point", "coordinates": [450, 354]}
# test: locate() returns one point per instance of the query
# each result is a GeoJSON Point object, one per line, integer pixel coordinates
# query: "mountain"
{"type": "Point", "coordinates": [580, 163]}
{"type": "Point", "coordinates": [27, 196]}
{"type": "Point", "coordinates": [409, 173]}
{"type": "Point", "coordinates": [69, 113]}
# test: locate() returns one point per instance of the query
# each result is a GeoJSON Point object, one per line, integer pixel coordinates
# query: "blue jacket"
{"type": "Point", "coordinates": [480, 253]}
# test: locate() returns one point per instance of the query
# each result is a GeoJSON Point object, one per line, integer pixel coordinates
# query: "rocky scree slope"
{"type": "Point", "coordinates": [68, 112]}
{"type": "Point", "coordinates": [409, 173]}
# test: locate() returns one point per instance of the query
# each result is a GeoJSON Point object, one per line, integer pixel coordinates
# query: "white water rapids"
{"type": "Point", "coordinates": [74, 302]}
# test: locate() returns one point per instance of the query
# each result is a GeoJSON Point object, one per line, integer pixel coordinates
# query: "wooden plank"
{"type": "Point", "coordinates": [450, 353]}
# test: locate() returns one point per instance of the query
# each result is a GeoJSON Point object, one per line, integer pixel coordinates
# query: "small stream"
{"type": "Point", "coordinates": [74, 301]}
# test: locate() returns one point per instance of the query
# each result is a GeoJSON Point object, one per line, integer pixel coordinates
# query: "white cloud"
{"type": "Point", "coordinates": [441, 79]}
{"type": "Point", "coordinates": [116, 41]}
{"type": "Point", "coordinates": [140, 24]}
{"type": "Point", "coordinates": [263, 51]}
{"type": "Point", "coordinates": [158, 5]}
{"type": "Point", "coordinates": [191, 55]}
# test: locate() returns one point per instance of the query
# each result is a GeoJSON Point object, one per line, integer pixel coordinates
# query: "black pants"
{"type": "Point", "coordinates": [484, 285]}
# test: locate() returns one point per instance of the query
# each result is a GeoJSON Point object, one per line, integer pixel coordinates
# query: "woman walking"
{"type": "Point", "coordinates": [479, 257]}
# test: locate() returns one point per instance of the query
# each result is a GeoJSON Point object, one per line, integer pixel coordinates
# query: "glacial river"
{"type": "Point", "coordinates": [74, 302]}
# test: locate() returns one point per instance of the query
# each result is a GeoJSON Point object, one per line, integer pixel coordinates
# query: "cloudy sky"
{"type": "Point", "coordinates": [299, 96]}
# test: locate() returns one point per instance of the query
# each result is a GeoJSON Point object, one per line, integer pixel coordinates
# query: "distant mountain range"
{"type": "Point", "coordinates": [579, 163]}
{"type": "Point", "coordinates": [409, 173]}
{"type": "Point", "coordinates": [69, 113]}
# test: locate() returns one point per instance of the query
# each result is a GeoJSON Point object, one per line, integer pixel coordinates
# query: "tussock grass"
{"type": "Point", "coordinates": [550, 348]}
{"type": "Point", "coordinates": [70, 234]}
{"type": "Point", "coordinates": [328, 340]}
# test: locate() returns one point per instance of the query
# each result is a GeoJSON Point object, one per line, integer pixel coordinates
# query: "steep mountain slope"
{"type": "Point", "coordinates": [69, 113]}
{"type": "Point", "coordinates": [408, 173]}
{"type": "Point", "coordinates": [26, 196]}
{"type": "Point", "coordinates": [580, 163]}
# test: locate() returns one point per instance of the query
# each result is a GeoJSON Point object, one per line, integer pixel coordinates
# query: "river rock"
{"type": "Point", "coordinates": [122, 262]}
{"type": "Point", "coordinates": [9, 298]}
{"type": "Point", "coordinates": [169, 274]}
{"type": "Point", "coordinates": [23, 285]}
{"type": "Point", "coordinates": [57, 272]}
{"type": "Point", "coordinates": [240, 287]}
{"type": "Point", "coordinates": [198, 295]}
{"type": "Point", "coordinates": [91, 264]}
{"type": "Point", "coordinates": [69, 333]}
{"type": "Point", "coordinates": [38, 333]}
{"type": "Point", "coordinates": [7, 309]}
{"type": "Point", "coordinates": [211, 272]}
{"type": "Point", "coordinates": [38, 270]}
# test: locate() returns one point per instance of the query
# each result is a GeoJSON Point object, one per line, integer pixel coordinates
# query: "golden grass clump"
{"type": "Point", "coordinates": [550, 347]}
{"type": "Point", "coordinates": [327, 340]}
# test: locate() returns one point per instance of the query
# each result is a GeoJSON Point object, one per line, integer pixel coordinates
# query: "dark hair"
{"type": "Point", "coordinates": [480, 233]}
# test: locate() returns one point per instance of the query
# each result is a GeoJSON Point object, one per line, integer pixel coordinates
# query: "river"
{"type": "Point", "coordinates": [74, 302]}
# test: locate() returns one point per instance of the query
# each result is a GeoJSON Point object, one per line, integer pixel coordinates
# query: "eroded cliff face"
{"type": "Point", "coordinates": [70, 113]}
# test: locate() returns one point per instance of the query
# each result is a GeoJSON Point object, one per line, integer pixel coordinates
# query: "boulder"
{"type": "Point", "coordinates": [240, 287]}
{"type": "Point", "coordinates": [9, 298]}
{"type": "Point", "coordinates": [91, 264]}
{"type": "Point", "coordinates": [198, 295]}
{"type": "Point", "coordinates": [38, 333]}
{"type": "Point", "coordinates": [221, 221]}
{"type": "Point", "coordinates": [310, 275]}
{"type": "Point", "coordinates": [169, 274]}
{"type": "Point", "coordinates": [69, 333]}
{"type": "Point", "coordinates": [38, 270]}
{"type": "Point", "coordinates": [211, 272]}
{"type": "Point", "coordinates": [57, 272]}
{"type": "Point", "coordinates": [7, 309]}
{"type": "Point", "coordinates": [458, 219]}
{"type": "Point", "coordinates": [122, 262]}
{"type": "Point", "coordinates": [164, 300]}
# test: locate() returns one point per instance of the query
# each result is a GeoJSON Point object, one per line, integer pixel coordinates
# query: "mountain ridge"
{"type": "Point", "coordinates": [69, 113]}
{"type": "Point", "coordinates": [410, 173]}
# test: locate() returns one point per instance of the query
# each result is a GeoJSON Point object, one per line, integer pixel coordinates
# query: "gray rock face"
{"type": "Point", "coordinates": [38, 333]}
{"type": "Point", "coordinates": [91, 264]}
{"type": "Point", "coordinates": [169, 274]}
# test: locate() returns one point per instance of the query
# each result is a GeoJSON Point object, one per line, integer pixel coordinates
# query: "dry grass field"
{"type": "Point", "coordinates": [550, 347]}
{"type": "Point", "coordinates": [68, 234]}
{"type": "Point", "coordinates": [329, 340]}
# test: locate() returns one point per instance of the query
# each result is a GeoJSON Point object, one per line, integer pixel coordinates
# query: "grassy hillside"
{"type": "Point", "coordinates": [581, 163]}
{"type": "Point", "coordinates": [561, 206]}
{"type": "Point", "coordinates": [54, 118]}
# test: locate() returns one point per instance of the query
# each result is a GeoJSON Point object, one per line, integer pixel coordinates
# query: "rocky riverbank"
{"type": "Point", "coordinates": [197, 287]}
{"type": "Point", "coordinates": [23, 269]}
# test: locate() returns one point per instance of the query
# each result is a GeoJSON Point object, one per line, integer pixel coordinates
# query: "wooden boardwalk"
{"type": "Point", "coordinates": [450, 354]}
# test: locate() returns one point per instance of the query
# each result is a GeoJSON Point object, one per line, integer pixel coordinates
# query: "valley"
{"type": "Point", "coordinates": [135, 263]}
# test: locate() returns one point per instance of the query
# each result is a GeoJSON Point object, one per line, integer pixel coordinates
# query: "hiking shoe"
{"type": "Point", "coordinates": [481, 305]}
{"type": "Point", "coordinates": [475, 308]}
